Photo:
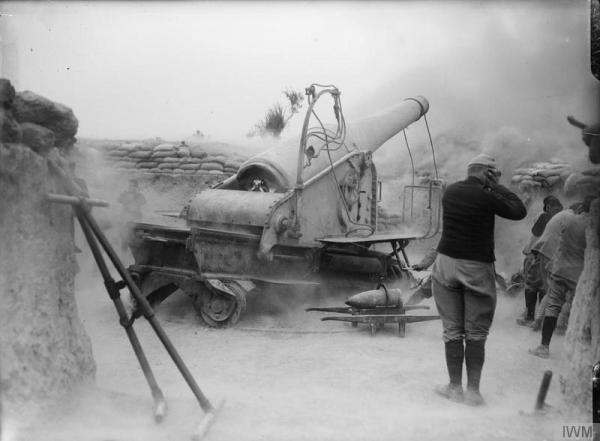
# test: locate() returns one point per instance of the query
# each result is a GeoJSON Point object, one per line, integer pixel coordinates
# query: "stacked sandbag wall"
{"type": "Point", "coordinates": [558, 178]}
{"type": "Point", "coordinates": [146, 157]}
{"type": "Point", "coordinates": [45, 351]}
{"type": "Point", "coordinates": [541, 176]}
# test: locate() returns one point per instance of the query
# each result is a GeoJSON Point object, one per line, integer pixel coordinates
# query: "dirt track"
{"type": "Point", "coordinates": [289, 376]}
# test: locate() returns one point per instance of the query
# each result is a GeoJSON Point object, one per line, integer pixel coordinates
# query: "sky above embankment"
{"type": "Point", "coordinates": [142, 69]}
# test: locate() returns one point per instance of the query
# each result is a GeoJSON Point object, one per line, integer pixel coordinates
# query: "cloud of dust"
{"type": "Point", "coordinates": [512, 147]}
{"type": "Point", "coordinates": [506, 92]}
{"type": "Point", "coordinates": [510, 101]}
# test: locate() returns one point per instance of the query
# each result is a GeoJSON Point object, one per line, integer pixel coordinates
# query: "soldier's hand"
{"type": "Point", "coordinates": [418, 267]}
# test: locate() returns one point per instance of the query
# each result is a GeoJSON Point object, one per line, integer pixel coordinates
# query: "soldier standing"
{"type": "Point", "coordinates": [463, 275]}
{"type": "Point", "coordinates": [564, 268]}
{"type": "Point", "coordinates": [535, 283]}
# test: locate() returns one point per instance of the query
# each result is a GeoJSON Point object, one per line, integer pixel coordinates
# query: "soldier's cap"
{"type": "Point", "coordinates": [551, 201]}
{"type": "Point", "coordinates": [483, 159]}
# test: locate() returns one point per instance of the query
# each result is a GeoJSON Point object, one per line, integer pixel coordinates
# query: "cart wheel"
{"type": "Point", "coordinates": [221, 310]}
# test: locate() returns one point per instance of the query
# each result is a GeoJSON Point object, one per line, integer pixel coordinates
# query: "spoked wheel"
{"type": "Point", "coordinates": [222, 310]}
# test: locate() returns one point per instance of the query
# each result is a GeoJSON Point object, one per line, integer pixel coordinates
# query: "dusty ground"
{"type": "Point", "coordinates": [289, 376]}
{"type": "Point", "coordinates": [285, 375]}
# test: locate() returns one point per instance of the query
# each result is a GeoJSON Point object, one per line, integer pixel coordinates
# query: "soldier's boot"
{"type": "Point", "coordinates": [527, 322]}
{"type": "Point", "coordinates": [474, 358]}
{"type": "Point", "coordinates": [530, 301]}
{"type": "Point", "coordinates": [543, 350]}
{"type": "Point", "coordinates": [539, 314]}
{"type": "Point", "coordinates": [563, 319]}
{"type": "Point", "coordinates": [454, 361]}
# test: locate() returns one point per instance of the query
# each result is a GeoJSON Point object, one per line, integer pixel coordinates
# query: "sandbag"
{"type": "Point", "coordinates": [130, 146]}
{"type": "Point", "coordinates": [31, 107]}
{"type": "Point", "coordinates": [183, 152]}
{"type": "Point", "coordinates": [39, 138]}
{"type": "Point", "coordinates": [232, 164]}
{"type": "Point", "coordinates": [190, 166]}
{"type": "Point", "coordinates": [170, 159]}
{"type": "Point", "coordinates": [10, 130]}
{"type": "Point", "coordinates": [146, 164]}
{"type": "Point", "coordinates": [546, 172]}
{"type": "Point", "coordinates": [553, 180]}
{"type": "Point", "coordinates": [167, 166]}
{"type": "Point", "coordinates": [215, 172]}
{"type": "Point", "coordinates": [164, 148]}
{"type": "Point", "coordinates": [524, 171]}
{"type": "Point", "coordinates": [140, 154]}
{"type": "Point", "coordinates": [163, 154]}
{"type": "Point", "coordinates": [219, 159]}
{"type": "Point", "coordinates": [208, 166]}
{"type": "Point", "coordinates": [197, 153]}
{"type": "Point", "coordinates": [192, 160]}
{"type": "Point", "coordinates": [125, 164]}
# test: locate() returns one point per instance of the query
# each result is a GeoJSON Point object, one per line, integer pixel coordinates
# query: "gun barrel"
{"type": "Point", "coordinates": [373, 131]}
{"type": "Point", "coordinates": [279, 164]}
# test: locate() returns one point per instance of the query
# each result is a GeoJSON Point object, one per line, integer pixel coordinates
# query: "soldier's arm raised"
{"type": "Point", "coordinates": [505, 203]}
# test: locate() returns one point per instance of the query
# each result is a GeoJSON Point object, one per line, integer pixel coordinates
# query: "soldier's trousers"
{"type": "Point", "coordinates": [560, 291]}
{"type": "Point", "coordinates": [465, 296]}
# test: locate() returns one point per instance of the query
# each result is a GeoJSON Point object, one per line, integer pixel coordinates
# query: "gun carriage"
{"type": "Point", "coordinates": [302, 215]}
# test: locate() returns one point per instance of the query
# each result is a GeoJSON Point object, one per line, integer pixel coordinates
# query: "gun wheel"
{"type": "Point", "coordinates": [222, 310]}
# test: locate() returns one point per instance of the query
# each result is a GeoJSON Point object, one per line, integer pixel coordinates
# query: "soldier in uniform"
{"type": "Point", "coordinates": [535, 283]}
{"type": "Point", "coordinates": [463, 274]}
{"type": "Point", "coordinates": [564, 269]}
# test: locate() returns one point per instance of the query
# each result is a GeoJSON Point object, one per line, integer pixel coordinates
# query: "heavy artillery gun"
{"type": "Point", "coordinates": [302, 215]}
